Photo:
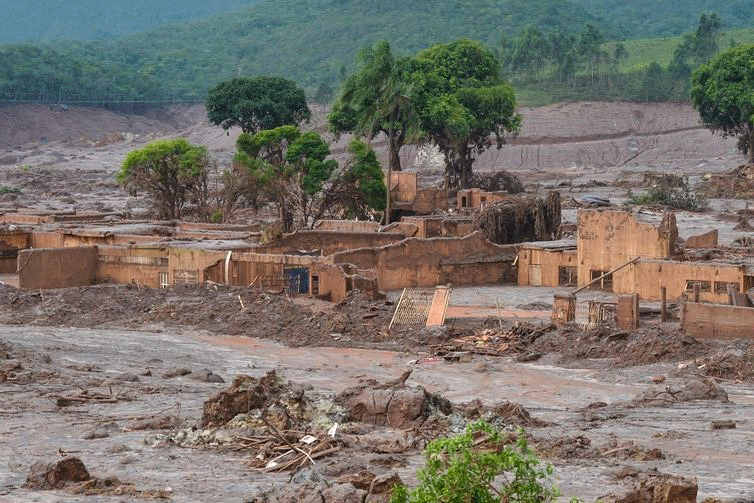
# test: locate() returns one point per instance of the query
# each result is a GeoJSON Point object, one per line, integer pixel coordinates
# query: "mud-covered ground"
{"type": "Point", "coordinates": [122, 388]}
{"type": "Point", "coordinates": [118, 376]}
{"type": "Point", "coordinates": [124, 402]}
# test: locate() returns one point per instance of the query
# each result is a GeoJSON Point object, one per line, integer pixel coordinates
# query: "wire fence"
{"type": "Point", "coordinates": [101, 102]}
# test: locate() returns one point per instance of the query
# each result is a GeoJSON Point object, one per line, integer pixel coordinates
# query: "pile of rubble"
{"type": "Point", "coordinates": [737, 184]}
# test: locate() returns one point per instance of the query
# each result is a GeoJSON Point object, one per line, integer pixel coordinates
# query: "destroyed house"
{"type": "Point", "coordinates": [607, 240]}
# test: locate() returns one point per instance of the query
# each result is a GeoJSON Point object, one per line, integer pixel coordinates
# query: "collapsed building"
{"type": "Point", "coordinates": [615, 251]}
{"type": "Point", "coordinates": [625, 253]}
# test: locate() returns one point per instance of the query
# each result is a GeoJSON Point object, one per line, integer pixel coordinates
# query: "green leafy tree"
{"type": "Point", "coordinates": [462, 102]}
{"type": "Point", "coordinates": [590, 47]}
{"type": "Point", "coordinates": [723, 94]}
{"type": "Point", "coordinates": [360, 188]}
{"type": "Point", "coordinates": [375, 99]}
{"type": "Point", "coordinates": [290, 167]}
{"type": "Point", "coordinates": [457, 472]}
{"type": "Point", "coordinates": [169, 171]}
{"type": "Point", "coordinates": [653, 85]}
{"type": "Point", "coordinates": [696, 48]}
{"type": "Point", "coordinates": [257, 103]}
{"type": "Point", "coordinates": [563, 55]}
{"type": "Point", "coordinates": [530, 51]}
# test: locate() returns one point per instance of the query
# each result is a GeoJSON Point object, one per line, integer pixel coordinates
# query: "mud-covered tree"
{"type": "Point", "coordinates": [171, 172]}
{"type": "Point", "coordinates": [257, 103]}
{"type": "Point", "coordinates": [723, 94]}
{"type": "Point", "coordinates": [289, 167]}
{"type": "Point", "coordinates": [462, 103]}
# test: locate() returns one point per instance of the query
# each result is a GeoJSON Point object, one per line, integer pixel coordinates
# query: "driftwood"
{"type": "Point", "coordinates": [519, 219]}
{"type": "Point", "coordinates": [281, 451]}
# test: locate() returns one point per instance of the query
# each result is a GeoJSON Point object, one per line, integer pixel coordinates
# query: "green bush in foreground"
{"type": "Point", "coordinates": [458, 472]}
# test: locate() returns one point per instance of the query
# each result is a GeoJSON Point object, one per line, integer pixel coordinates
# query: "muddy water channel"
{"type": "Point", "coordinates": [133, 365]}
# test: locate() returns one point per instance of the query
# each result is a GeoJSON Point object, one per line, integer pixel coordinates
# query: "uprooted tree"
{"type": "Point", "coordinates": [256, 103]}
{"type": "Point", "coordinates": [287, 166]}
{"type": "Point", "coordinates": [723, 93]}
{"type": "Point", "coordinates": [171, 172]}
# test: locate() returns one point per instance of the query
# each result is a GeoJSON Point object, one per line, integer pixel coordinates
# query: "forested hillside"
{"type": "Point", "coordinates": [44, 20]}
{"type": "Point", "coordinates": [315, 41]}
{"type": "Point", "coordinates": [657, 18]}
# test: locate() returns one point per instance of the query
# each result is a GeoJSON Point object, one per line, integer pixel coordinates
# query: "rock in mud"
{"type": "Point", "coordinates": [176, 373]}
{"type": "Point", "coordinates": [206, 376]}
{"type": "Point", "coordinates": [360, 480]}
{"type": "Point", "coordinates": [248, 393]}
{"type": "Point", "coordinates": [157, 423]}
{"type": "Point", "coordinates": [656, 487]}
{"type": "Point", "coordinates": [695, 389]}
{"type": "Point", "coordinates": [311, 493]}
{"type": "Point", "coordinates": [382, 486]}
{"type": "Point", "coordinates": [391, 404]}
{"type": "Point", "coordinates": [500, 413]}
{"type": "Point", "coordinates": [723, 424]}
{"type": "Point", "coordinates": [56, 475]}
{"type": "Point", "coordinates": [4, 352]}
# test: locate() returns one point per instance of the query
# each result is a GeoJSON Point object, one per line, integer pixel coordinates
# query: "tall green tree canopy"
{"type": "Point", "coordinates": [375, 99]}
{"type": "Point", "coordinates": [723, 93]}
{"type": "Point", "coordinates": [363, 176]}
{"type": "Point", "coordinates": [170, 171]}
{"type": "Point", "coordinates": [290, 166]}
{"type": "Point", "coordinates": [462, 102]}
{"type": "Point", "coordinates": [256, 103]}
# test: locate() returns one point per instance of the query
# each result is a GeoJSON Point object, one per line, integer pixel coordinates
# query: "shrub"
{"type": "Point", "coordinates": [677, 198]}
{"type": "Point", "coordinates": [457, 471]}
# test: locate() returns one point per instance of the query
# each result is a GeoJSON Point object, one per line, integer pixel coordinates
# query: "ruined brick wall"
{"type": "Point", "coordinates": [42, 268]}
{"type": "Point", "coordinates": [328, 242]}
{"type": "Point", "coordinates": [648, 276]}
{"type": "Point", "coordinates": [717, 321]}
{"type": "Point", "coordinates": [471, 260]}
{"type": "Point", "coordinates": [541, 267]}
{"type": "Point", "coordinates": [608, 239]}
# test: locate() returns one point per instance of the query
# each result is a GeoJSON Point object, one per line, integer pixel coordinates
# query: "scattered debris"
{"type": "Point", "coordinates": [495, 342]}
{"type": "Point", "coordinates": [86, 396]}
{"type": "Point", "coordinates": [736, 184]}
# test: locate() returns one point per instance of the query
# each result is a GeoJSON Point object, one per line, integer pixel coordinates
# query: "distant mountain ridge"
{"type": "Point", "coordinates": [45, 20]}
{"type": "Point", "coordinates": [659, 18]}
{"type": "Point", "coordinates": [311, 41]}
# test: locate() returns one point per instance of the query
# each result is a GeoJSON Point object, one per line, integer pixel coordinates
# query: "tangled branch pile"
{"type": "Point", "coordinates": [498, 181]}
{"type": "Point", "coordinates": [520, 219]}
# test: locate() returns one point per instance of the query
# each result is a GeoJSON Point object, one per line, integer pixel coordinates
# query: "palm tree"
{"type": "Point", "coordinates": [376, 99]}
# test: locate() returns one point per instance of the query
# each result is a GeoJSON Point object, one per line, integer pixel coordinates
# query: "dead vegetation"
{"type": "Point", "coordinates": [519, 219]}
